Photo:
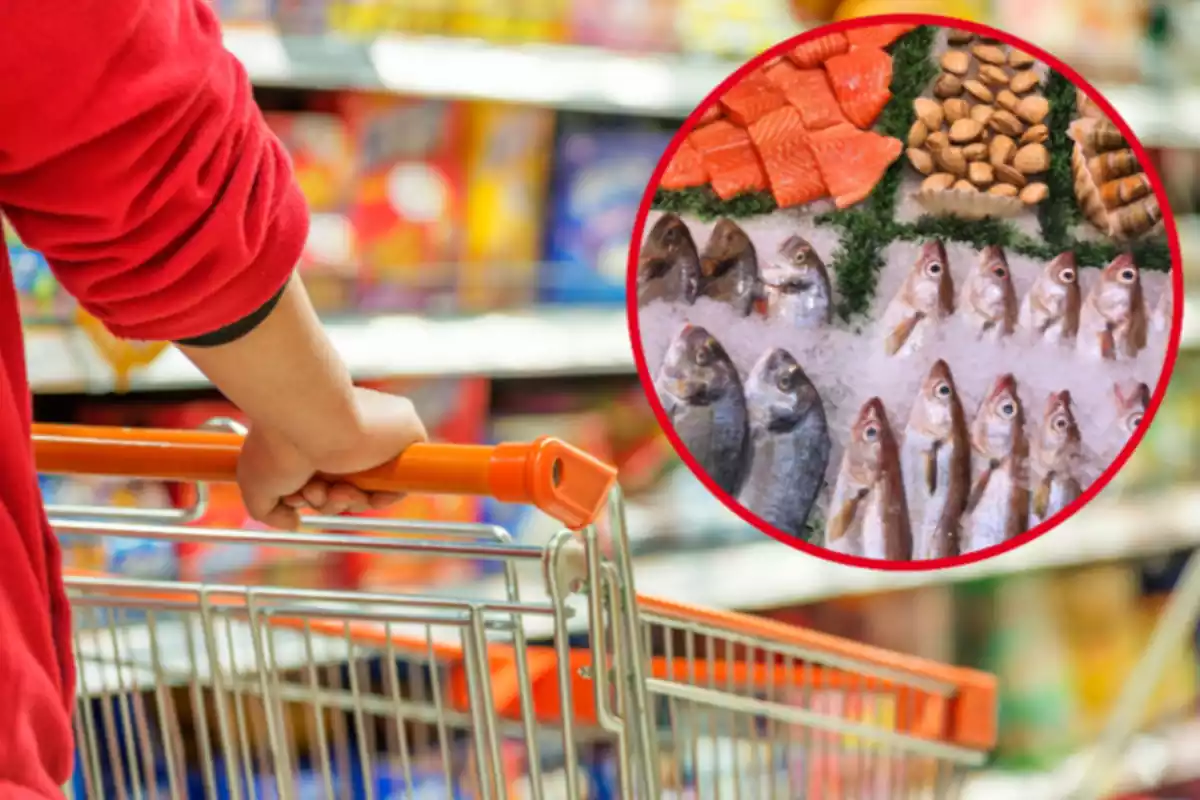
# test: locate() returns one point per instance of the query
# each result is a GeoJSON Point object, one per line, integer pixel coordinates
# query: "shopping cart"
{"type": "Point", "coordinates": [588, 690]}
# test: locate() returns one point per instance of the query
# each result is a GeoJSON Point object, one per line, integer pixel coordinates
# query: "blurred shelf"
{"type": "Point", "coordinates": [1159, 117]}
{"type": "Point", "coordinates": [1154, 759]}
{"type": "Point", "coordinates": [544, 343]}
{"type": "Point", "coordinates": [764, 575]}
{"type": "Point", "coordinates": [559, 76]}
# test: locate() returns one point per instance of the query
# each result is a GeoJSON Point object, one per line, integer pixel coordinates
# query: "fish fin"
{"type": "Point", "coordinates": [839, 523]}
{"type": "Point", "coordinates": [1041, 497]}
{"type": "Point", "coordinates": [1045, 326]}
{"type": "Point", "coordinates": [931, 467]}
{"type": "Point", "coordinates": [980, 486]}
{"type": "Point", "coordinates": [901, 332]}
{"type": "Point", "coordinates": [1107, 345]}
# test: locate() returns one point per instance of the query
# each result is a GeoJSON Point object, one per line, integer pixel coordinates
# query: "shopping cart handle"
{"type": "Point", "coordinates": [563, 481]}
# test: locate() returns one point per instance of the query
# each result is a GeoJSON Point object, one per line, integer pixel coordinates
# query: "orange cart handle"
{"type": "Point", "coordinates": [561, 480]}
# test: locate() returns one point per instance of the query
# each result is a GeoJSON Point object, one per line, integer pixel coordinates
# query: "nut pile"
{"type": "Point", "coordinates": [1113, 190]}
{"type": "Point", "coordinates": [983, 131]}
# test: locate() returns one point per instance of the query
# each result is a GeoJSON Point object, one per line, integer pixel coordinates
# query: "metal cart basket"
{"type": "Point", "coordinates": [191, 689]}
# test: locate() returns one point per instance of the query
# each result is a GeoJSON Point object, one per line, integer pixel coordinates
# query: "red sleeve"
{"type": "Point", "coordinates": [133, 156]}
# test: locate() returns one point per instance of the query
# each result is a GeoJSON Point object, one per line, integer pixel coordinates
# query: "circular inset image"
{"type": "Point", "coordinates": [902, 292]}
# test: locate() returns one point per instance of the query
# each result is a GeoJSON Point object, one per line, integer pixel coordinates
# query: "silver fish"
{"type": "Point", "coordinates": [1113, 322]}
{"type": "Point", "coordinates": [868, 515]}
{"type": "Point", "coordinates": [796, 285]}
{"type": "Point", "coordinates": [936, 464]}
{"type": "Point", "coordinates": [998, 507]}
{"type": "Point", "coordinates": [701, 392]}
{"type": "Point", "coordinates": [1054, 460]}
{"type": "Point", "coordinates": [1051, 309]}
{"type": "Point", "coordinates": [989, 301]}
{"type": "Point", "coordinates": [729, 268]}
{"type": "Point", "coordinates": [789, 443]}
{"type": "Point", "coordinates": [926, 298]}
{"type": "Point", "coordinates": [669, 265]}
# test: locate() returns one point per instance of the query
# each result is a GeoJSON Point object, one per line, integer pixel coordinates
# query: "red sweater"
{"type": "Point", "coordinates": [133, 156]}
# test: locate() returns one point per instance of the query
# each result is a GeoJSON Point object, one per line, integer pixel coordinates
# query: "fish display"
{"type": "Point", "coordinates": [998, 505]}
{"type": "Point", "coordinates": [1054, 460]}
{"type": "Point", "coordinates": [701, 392]}
{"type": "Point", "coordinates": [796, 286]}
{"type": "Point", "coordinates": [925, 299]}
{"type": "Point", "coordinates": [729, 267]}
{"type": "Point", "coordinates": [799, 127]}
{"type": "Point", "coordinates": [1050, 310]}
{"type": "Point", "coordinates": [988, 299]}
{"type": "Point", "coordinates": [669, 265]}
{"type": "Point", "coordinates": [789, 443]}
{"type": "Point", "coordinates": [868, 515]}
{"type": "Point", "coordinates": [1132, 401]}
{"type": "Point", "coordinates": [1113, 322]}
{"type": "Point", "coordinates": [936, 464]}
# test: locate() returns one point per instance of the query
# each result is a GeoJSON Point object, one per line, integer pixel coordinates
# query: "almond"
{"type": "Point", "coordinates": [938, 182]}
{"type": "Point", "coordinates": [982, 113]}
{"type": "Point", "coordinates": [952, 160]}
{"type": "Point", "coordinates": [1007, 100]}
{"type": "Point", "coordinates": [948, 86]}
{"type": "Point", "coordinates": [1023, 82]}
{"type": "Point", "coordinates": [929, 112]}
{"type": "Point", "coordinates": [993, 75]}
{"type": "Point", "coordinates": [1032, 159]}
{"type": "Point", "coordinates": [965, 130]}
{"type": "Point", "coordinates": [1019, 59]}
{"type": "Point", "coordinates": [921, 160]}
{"type": "Point", "coordinates": [1036, 134]}
{"type": "Point", "coordinates": [977, 90]}
{"type": "Point", "coordinates": [956, 108]}
{"type": "Point", "coordinates": [964, 186]}
{"type": "Point", "coordinates": [1033, 109]}
{"type": "Point", "coordinates": [917, 134]}
{"type": "Point", "coordinates": [1003, 190]}
{"type": "Point", "coordinates": [1034, 193]}
{"type": "Point", "coordinates": [957, 36]}
{"type": "Point", "coordinates": [977, 151]}
{"type": "Point", "coordinates": [937, 140]}
{"type": "Point", "coordinates": [989, 53]}
{"type": "Point", "coordinates": [1005, 122]}
{"type": "Point", "coordinates": [1001, 149]}
{"type": "Point", "coordinates": [1008, 174]}
{"type": "Point", "coordinates": [956, 62]}
{"type": "Point", "coordinates": [980, 173]}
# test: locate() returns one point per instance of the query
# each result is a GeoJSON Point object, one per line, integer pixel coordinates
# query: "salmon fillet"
{"type": "Point", "coordinates": [812, 95]}
{"type": "Point", "coordinates": [730, 159]}
{"type": "Point", "coordinates": [815, 52]}
{"type": "Point", "coordinates": [877, 35]}
{"type": "Point", "coordinates": [685, 170]}
{"type": "Point", "coordinates": [860, 82]}
{"type": "Point", "coordinates": [712, 113]}
{"type": "Point", "coordinates": [852, 161]}
{"type": "Point", "coordinates": [751, 98]}
{"type": "Point", "coordinates": [789, 162]}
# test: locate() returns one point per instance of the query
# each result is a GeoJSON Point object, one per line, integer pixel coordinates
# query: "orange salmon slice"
{"type": "Point", "coordinates": [860, 82]}
{"type": "Point", "coordinates": [729, 157]}
{"type": "Point", "coordinates": [685, 170]}
{"type": "Point", "coordinates": [751, 99]}
{"type": "Point", "coordinates": [878, 35]}
{"type": "Point", "coordinates": [787, 158]}
{"type": "Point", "coordinates": [814, 53]}
{"type": "Point", "coordinates": [852, 161]}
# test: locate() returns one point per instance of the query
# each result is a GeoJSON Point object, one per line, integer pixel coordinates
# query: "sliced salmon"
{"type": "Point", "coordinates": [812, 95]}
{"type": "Point", "coordinates": [751, 98]}
{"type": "Point", "coordinates": [685, 170]}
{"type": "Point", "coordinates": [789, 162]}
{"type": "Point", "coordinates": [712, 113]}
{"type": "Point", "coordinates": [780, 73]}
{"type": "Point", "coordinates": [730, 159]}
{"type": "Point", "coordinates": [877, 35]}
{"type": "Point", "coordinates": [860, 80]}
{"type": "Point", "coordinates": [852, 161]}
{"type": "Point", "coordinates": [815, 52]}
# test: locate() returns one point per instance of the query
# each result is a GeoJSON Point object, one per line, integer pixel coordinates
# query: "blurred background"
{"type": "Point", "coordinates": [474, 167]}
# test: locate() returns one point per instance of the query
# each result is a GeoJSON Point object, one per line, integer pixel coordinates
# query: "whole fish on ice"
{"type": "Point", "coordinates": [669, 265]}
{"type": "Point", "coordinates": [868, 515]}
{"type": "Point", "coordinates": [1112, 324]}
{"type": "Point", "coordinates": [1054, 460]}
{"type": "Point", "coordinates": [796, 285]}
{"type": "Point", "coordinates": [998, 506]}
{"type": "Point", "coordinates": [729, 268]}
{"type": "Point", "coordinates": [989, 301]}
{"type": "Point", "coordinates": [936, 464]}
{"type": "Point", "coordinates": [1132, 401]}
{"type": "Point", "coordinates": [924, 300]}
{"type": "Point", "coordinates": [1051, 309]}
{"type": "Point", "coordinates": [701, 393]}
{"type": "Point", "coordinates": [789, 443]}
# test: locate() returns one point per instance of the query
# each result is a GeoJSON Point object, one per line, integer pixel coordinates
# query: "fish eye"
{"type": "Point", "coordinates": [870, 433]}
{"type": "Point", "coordinates": [1127, 275]}
{"type": "Point", "coordinates": [1060, 423]}
{"type": "Point", "coordinates": [704, 354]}
{"type": "Point", "coordinates": [942, 390]}
{"type": "Point", "coordinates": [1067, 276]}
{"type": "Point", "coordinates": [999, 272]}
{"type": "Point", "coordinates": [1008, 408]}
{"type": "Point", "coordinates": [934, 268]}
{"type": "Point", "coordinates": [786, 380]}
{"type": "Point", "coordinates": [1135, 421]}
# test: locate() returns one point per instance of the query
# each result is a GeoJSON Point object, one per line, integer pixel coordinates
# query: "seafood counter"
{"type": "Point", "coordinates": [928, 339]}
